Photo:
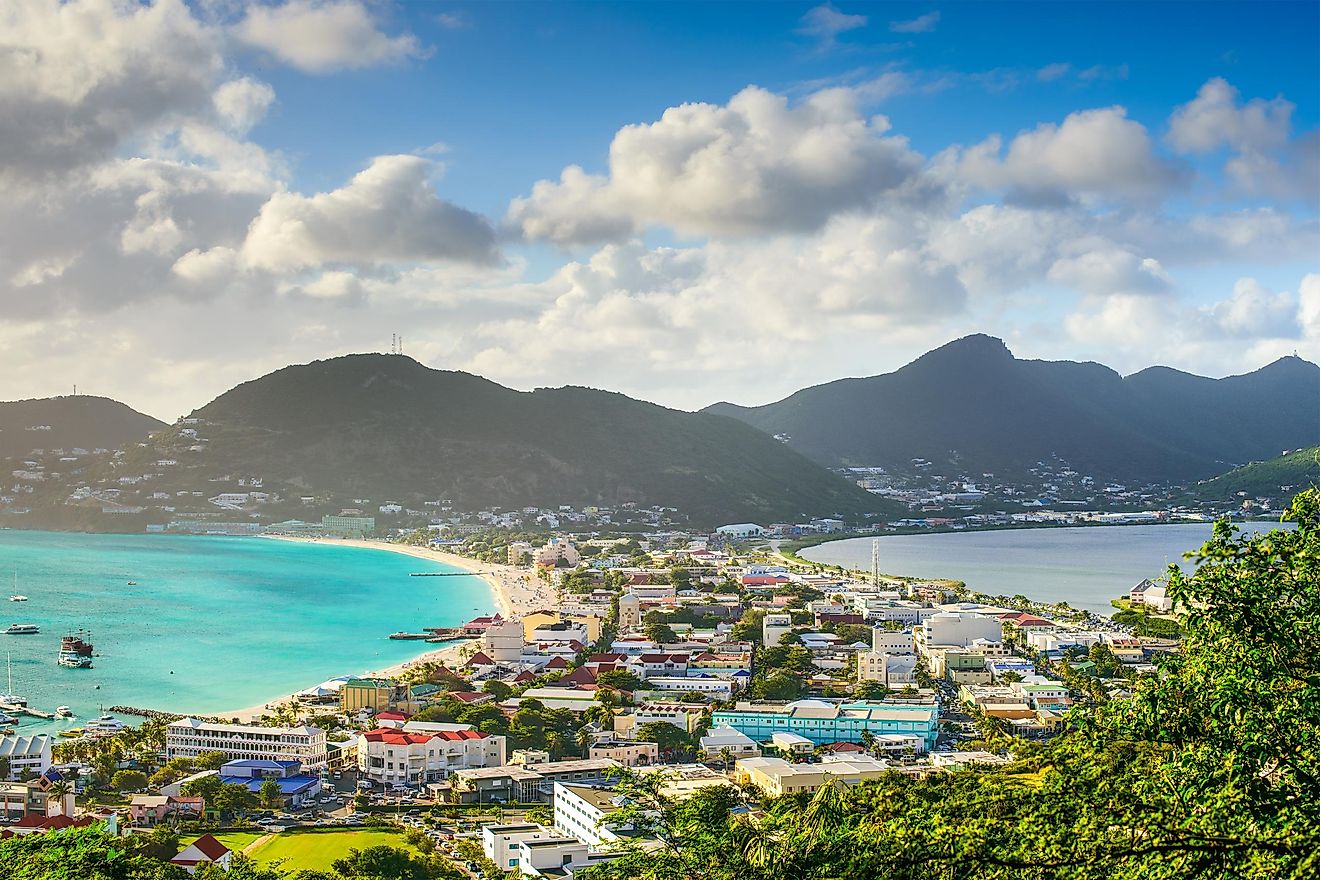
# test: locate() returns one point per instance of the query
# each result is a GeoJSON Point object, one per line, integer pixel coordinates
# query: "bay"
{"type": "Point", "coordinates": [1085, 567]}
{"type": "Point", "coordinates": [210, 623]}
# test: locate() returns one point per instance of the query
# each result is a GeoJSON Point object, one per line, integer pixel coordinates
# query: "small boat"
{"type": "Point", "coordinates": [11, 698]}
{"type": "Point", "coordinates": [17, 598]}
{"type": "Point", "coordinates": [132, 583]}
{"type": "Point", "coordinates": [106, 725]}
{"type": "Point", "coordinates": [73, 661]}
{"type": "Point", "coordinates": [7, 719]}
{"type": "Point", "coordinates": [63, 712]}
{"type": "Point", "coordinates": [23, 629]}
{"type": "Point", "coordinates": [71, 733]}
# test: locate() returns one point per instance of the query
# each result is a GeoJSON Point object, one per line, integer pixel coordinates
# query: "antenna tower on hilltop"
{"type": "Point", "coordinates": [396, 344]}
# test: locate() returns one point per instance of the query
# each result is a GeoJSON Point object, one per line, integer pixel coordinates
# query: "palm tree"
{"type": "Point", "coordinates": [726, 755]}
{"type": "Point", "coordinates": [583, 738]}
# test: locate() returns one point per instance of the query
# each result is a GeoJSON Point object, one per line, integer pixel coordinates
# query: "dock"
{"type": "Point", "coordinates": [24, 710]}
{"type": "Point", "coordinates": [444, 574]}
{"type": "Point", "coordinates": [402, 636]}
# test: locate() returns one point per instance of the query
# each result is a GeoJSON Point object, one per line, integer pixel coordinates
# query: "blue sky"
{"type": "Point", "coordinates": [682, 201]}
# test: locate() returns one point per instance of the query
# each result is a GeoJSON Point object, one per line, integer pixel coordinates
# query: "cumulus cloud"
{"type": "Point", "coordinates": [1215, 118]}
{"type": "Point", "coordinates": [242, 103]}
{"type": "Point", "coordinates": [323, 36]}
{"type": "Point", "coordinates": [388, 212]}
{"type": "Point", "coordinates": [922, 24]}
{"type": "Point", "coordinates": [757, 165]}
{"type": "Point", "coordinates": [78, 79]}
{"type": "Point", "coordinates": [1094, 153]}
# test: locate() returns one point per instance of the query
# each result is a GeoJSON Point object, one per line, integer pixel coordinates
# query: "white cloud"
{"type": "Point", "coordinates": [323, 36]}
{"type": "Point", "coordinates": [1108, 270]}
{"type": "Point", "coordinates": [243, 102]}
{"type": "Point", "coordinates": [388, 212]}
{"type": "Point", "coordinates": [1215, 119]}
{"type": "Point", "coordinates": [922, 24]}
{"type": "Point", "coordinates": [758, 165]}
{"type": "Point", "coordinates": [78, 79]}
{"type": "Point", "coordinates": [1094, 153]}
{"type": "Point", "coordinates": [825, 23]}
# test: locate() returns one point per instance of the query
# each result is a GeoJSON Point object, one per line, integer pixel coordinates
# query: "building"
{"type": "Point", "coordinates": [958, 629]}
{"type": "Point", "coordinates": [520, 553]}
{"type": "Point", "coordinates": [630, 613]}
{"type": "Point", "coordinates": [540, 626]}
{"type": "Point", "coordinates": [828, 722]}
{"type": "Point", "coordinates": [296, 787]}
{"type": "Point", "coordinates": [22, 799]}
{"type": "Point", "coordinates": [685, 716]}
{"type": "Point", "coordinates": [503, 641]}
{"type": "Point", "coordinates": [376, 694]}
{"type": "Point", "coordinates": [523, 784]}
{"type": "Point", "coordinates": [498, 841]}
{"type": "Point", "coordinates": [581, 811]}
{"type": "Point", "coordinates": [720, 738]}
{"type": "Point", "coordinates": [396, 758]}
{"type": "Point", "coordinates": [558, 553]}
{"type": "Point", "coordinates": [349, 526]}
{"type": "Point", "coordinates": [152, 809]}
{"type": "Point", "coordinates": [537, 851]}
{"type": "Point", "coordinates": [628, 754]}
{"type": "Point", "coordinates": [787, 743]}
{"type": "Point", "coordinates": [777, 777]}
{"type": "Point", "coordinates": [774, 627]}
{"type": "Point", "coordinates": [1152, 596]}
{"type": "Point", "coordinates": [719, 688]}
{"type": "Point", "coordinates": [26, 754]}
{"type": "Point", "coordinates": [190, 737]}
{"type": "Point", "coordinates": [205, 850]}
{"type": "Point", "coordinates": [894, 671]}
{"type": "Point", "coordinates": [741, 531]}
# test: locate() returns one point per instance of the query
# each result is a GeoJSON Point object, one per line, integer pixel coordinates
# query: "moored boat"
{"type": "Point", "coordinates": [63, 712]}
{"type": "Point", "coordinates": [18, 598]}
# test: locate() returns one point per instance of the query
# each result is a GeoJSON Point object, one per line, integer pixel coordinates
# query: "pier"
{"type": "Point", "coordinates": [444, 574]}
{"type": "Point", "coordinates": [24, 710]}
{"type": "Point", "coordinates": [153, 714]}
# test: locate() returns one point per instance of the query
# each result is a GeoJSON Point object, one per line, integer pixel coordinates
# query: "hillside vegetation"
{"type": "Point", "coordinates": [70, 422]}
{"type": "Point", "coordinates": [1278, 477]}
{"type": "Point", "coordinates": [973, 407]}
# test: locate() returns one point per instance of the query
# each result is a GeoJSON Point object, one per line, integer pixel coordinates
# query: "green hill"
{"type": "Point", "coordinates": [973, 407]}
{"type": "Point", "coordinates": [386, 428]}
{"type": "Point", "coordinates": [1276, 478]}
{"type": "Point", "coordinates": [82, 422]}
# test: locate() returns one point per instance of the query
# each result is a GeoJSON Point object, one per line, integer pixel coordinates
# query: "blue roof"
{"type": "Point", "coordinates": [264, 764]}
{"type": "Point", "coordinates": [288, 784]}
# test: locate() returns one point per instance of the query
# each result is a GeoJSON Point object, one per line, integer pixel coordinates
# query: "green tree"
{"type": "Point", "coordinates": [270, 795]}
{"type": "Point", "coordinates": [382, 863]}
{"type": "Point", "coordinates": [129, 780]}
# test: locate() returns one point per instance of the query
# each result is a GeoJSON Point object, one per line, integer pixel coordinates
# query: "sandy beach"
{"type": "Point", "coordinates": [517, 591]}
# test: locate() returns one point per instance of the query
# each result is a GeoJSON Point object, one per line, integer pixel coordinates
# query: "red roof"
{"type": "Point", "coordinates": [523, 676]}
{"type": "Point", "coordinates": [843, 747]}
{"type": "Point", "coordinates": [391, 715]}
{"type": "Point", "coordinates": [606, 658]}
{"type": "Point", "coordinates": [469, 696]}
{"type": "Point", "coordinates": [393, 737]}
{"type": "Point", "coordinates": [663, 658]}
{"type": "Point", "coordinates": [557, 663]}
{"type": "Point", "coordinates": [52, 823]}
{"type": "Point", "coordinates": [480, 659]}
{"type": "Point", "coordinates": [452, 735]}
{"type": "Point", "coordinates": [210, 847]}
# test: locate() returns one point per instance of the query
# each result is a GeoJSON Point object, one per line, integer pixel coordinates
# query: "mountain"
{"type": "Point", "coordinates": [385, 427]}
{"type": "Point", "coordinates": [1276, 478]}
{"type": "Point", "coordinates": [972, 406]}
{"type": "Point", "coordinates": [82, 422]}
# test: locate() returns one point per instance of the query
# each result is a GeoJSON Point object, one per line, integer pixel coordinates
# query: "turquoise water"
{"type": "Point", "coordinates": [1085, 567]}
{"type": "Point", "coordinates": [213, 623]}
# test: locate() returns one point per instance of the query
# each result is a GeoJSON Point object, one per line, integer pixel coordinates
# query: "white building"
{"type": "Point", "coordinates": [741, 530]}
{"type": "Point", "coordinates": [721, 688]}
{"type": "Point", "coordinates": [189, 737]}
{"type": "Point", "coordinates": [792, 744]}
{"type": "Point", "coordinates": [393, 758]}
{"type": "Point", "coordinates": [740, 745]}
{"type": "Point", "coordinates": [890, 641]}
{"type": "Point", "coordinates": [776, 777]}
{"type": "Point", "coordinates": [1149, 594]}
{"type": "Point", "coordinates": [581, 811]}
{"type": "Point", "coordinates": [503, 641]}
{"type": "Point", "coordinates": [894, 671]}
{"type": "Point", "coordinates": [26, 753]}
{"type": "Point", "coordinates": [959, 628]}
{"type": "Point", "coordinates": [774, 627]}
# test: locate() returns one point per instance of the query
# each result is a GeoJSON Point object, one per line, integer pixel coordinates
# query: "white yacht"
{"type": "Point", "coordinates": [63, 712]}
{"type": "Point", "coordinates": [22, 629]}
{"type": "Point", "coordinates": [17, 598]}
{"type": "Point", "coordinates": [106, 725]}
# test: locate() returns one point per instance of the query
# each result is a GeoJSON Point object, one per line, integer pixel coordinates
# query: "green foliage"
{"type": "Point", "coordinates": [621, 679]}
{"type": "Point", "coordinates": [82, 854]}
{"type": "Point", "coordinates": [270, 795]}
{"type": "Point", "coordinates": [129, 780]}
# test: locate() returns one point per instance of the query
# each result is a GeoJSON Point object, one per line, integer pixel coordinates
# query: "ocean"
{"type": "Point", "coordinates": [210, 623]}
{"type": "Point", "coordinates": [1085, 567]}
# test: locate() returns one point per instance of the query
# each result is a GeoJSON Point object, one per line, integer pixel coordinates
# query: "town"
{"type": "Point", "coordinates": [691, 662]}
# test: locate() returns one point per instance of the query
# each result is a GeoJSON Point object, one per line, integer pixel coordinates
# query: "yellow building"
{"type": "Point", "coordinates": [776, 777]}
{"type": "Point", "coordinates": [535, 620]}
{"type": "Point", "coordinates": [375, 694]}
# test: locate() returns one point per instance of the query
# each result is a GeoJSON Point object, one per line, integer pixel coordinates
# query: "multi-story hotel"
{"type": "Point", "coordinates": [825, 722]}
{"type": "Point", "coordinates": [392, 757]}
{"type": "Point", "coordinates": [189, 737]}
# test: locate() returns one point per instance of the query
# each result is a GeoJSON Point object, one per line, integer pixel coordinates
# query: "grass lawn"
{"type": "Point", "coordinates": [235, 840]}
{"type": "Point", "coordinates": [316, 852]}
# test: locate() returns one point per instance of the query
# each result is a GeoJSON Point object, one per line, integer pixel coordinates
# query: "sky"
{"type": "Point", "coordinates": [683, 202]}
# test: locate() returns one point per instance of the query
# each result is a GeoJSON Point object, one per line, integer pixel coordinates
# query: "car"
{"type": "Point", "coordinates": [265, 820]}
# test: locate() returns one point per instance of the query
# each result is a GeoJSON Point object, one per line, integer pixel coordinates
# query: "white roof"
{"type": "Point", "coordinates": [23, 746]}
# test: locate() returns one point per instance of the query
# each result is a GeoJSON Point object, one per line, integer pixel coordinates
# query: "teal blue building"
{"type": "Point", "coordinates": [825, 722]}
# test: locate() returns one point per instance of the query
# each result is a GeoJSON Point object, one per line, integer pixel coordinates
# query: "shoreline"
{"type": "Point", "coordinates": [515, 592]}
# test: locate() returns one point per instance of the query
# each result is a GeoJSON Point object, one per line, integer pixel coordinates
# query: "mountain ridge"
{"type": "Point", "coordinates": [971, 405]}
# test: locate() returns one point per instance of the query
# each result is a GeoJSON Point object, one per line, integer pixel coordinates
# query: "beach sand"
{"type": "Point", "coordinates": [517, 591]}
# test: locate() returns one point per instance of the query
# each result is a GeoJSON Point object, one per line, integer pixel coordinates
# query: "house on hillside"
{"type": "Point", "coordinates": [205, 850]}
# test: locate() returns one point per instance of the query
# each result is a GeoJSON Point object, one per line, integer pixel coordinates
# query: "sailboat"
{"type": "Point", "coordinates": [11, 698]}
{"type": "Point", "coordinates": [17, 597]}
